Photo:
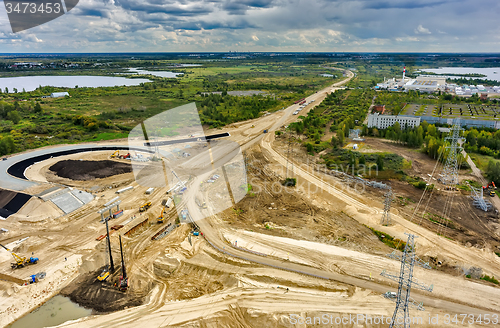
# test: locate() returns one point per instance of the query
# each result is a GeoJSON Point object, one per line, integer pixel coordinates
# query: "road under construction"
{"type": "Point", "coordinates": [220, 276]}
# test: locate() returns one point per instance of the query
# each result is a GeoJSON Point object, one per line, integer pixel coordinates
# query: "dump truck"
{"type": "Point", "coordinates": [145, 207]}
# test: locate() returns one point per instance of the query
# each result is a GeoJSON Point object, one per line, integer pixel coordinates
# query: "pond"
{"type": "Point", "coordinates": [492, 73]}
{"type": "Point", "coordinates": [155, 73]}
{"type": "Point", "coordinates": [55, 311]}
{"type": "Point", "coordinates": [30, 83]}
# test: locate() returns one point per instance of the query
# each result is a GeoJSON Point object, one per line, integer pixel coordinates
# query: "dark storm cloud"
{"type": "Point", "coordinates": [325, 25]}
{"type": "Point", "coordinates": [403, 4]}
{"type": "Point", "coordinates": [232, 25]}
{"type": "Point", "coordinates": [153, 6]}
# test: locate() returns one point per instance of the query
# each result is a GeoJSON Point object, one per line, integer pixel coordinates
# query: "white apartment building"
{"type": "Point", "coordinates": [385, 121]}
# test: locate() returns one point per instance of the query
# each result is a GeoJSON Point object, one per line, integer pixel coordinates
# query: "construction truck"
{"type": "Point", "coordinates": [104, 275]}
{"type": "Point", "coordinates": [161, 218]}
{"type": "Point", "coordinates": [145, 207]}
{"type": "Point", "coordinates": [115, 154]}
{"type": "Point", "coordinates": [123, 285]}
{"type": "Point", "coordinates": [34, 278]}
{"type": "Point", "coordinates": [20, 261]}
{"type": "Point", "coordinates": [124, 156]}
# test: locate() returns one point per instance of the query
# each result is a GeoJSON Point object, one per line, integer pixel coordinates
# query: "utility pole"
{"type": "Point", "coordinates": [386, 216]}
{"type": "Point", "coordinates": [401, 317]}
{"type": "Point", "coordinates": [450, 169]}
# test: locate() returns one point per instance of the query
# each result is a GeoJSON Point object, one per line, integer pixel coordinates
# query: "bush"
{"type": "Point", "coordinates": [490, 279]}
{"type": "Point", "coordinates": [289, 182]}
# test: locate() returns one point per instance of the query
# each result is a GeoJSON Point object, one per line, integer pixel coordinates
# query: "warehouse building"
{"type": "Point", "coordinates": [385, 121]}
{"type": "Point", "coordinates": [59, 94]}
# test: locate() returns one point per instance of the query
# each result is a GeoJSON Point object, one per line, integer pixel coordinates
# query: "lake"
{"type": "Point", "coordinates": [54, 312]}
{"type": "Point", "coordinates": [489, 72]}
{"type": "Point", "coordinates": [30, 83]}
{"type": "Point", "coordinates": [155, 73]}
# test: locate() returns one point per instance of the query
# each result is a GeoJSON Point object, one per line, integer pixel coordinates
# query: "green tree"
{"type": "Point", "coordinates": [380, 162]}
{"type": "Point", "coordinates": [14, 116]}
{"type": "Point", "coordinates": [38, 108]}
{"type": "Point", "coordinates": [340, 137]}
{"type": "Point", "coordinates": [493, 171]}
{"type": "Point", "coordinates": [334, 142]}
{"type": "Point", "coordinates": [362, 160]}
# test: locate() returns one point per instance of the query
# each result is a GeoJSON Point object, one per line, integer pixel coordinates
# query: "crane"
{"type": "Point", "coordinates": [20, 261]}
{"type": "Point", "coordinates": [181, 183]}
{"type": "Point", "coordinates": [123, 279]}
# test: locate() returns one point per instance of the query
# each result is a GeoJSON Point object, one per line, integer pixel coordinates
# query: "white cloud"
{"type": "Point", "coordinates": [255, 38]}
{"type": "Point", "coordinates": [422, 30]}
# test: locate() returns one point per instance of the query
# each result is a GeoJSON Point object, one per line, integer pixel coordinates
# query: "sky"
{"type": "Point", "coordinates": [264, 25]}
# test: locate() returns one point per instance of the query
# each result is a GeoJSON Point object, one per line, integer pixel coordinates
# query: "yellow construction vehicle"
{"type": "Point", "coordinates": [20, 261]}
{"type": "Point", "coordinates": [161, 218]}
{"type": "Point", "coordinates": [103, 276]}
{"type": "Point", "coordinates": [145, 207]}
{"type": "Point", "coordinates": [115, 154]}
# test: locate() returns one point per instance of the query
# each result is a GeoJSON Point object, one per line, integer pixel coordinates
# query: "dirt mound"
{"type": "Point", "coordinates": [89, 170]}
{"type": "Point", "coordinates": [103, 296]}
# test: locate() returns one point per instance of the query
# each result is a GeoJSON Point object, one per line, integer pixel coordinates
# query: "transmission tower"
{"type": "Point", "coordinates": [450, 169]}
{"type": "Point", "coordinates": [401, 316]}
{"type": "Point", "coordinates": [478, 200]}
{"type": "Point", "coordinates": [386, 217]}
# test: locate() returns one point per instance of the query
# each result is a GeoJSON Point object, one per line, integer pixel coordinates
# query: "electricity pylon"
{"type": "Point", "coordinates": [450, 169]}
{"type": "Point", "coordinates": [401, 316]}
{"type": "Point", "coordinates": [386, 216]}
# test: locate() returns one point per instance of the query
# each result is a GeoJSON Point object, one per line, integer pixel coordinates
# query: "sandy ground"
{"type": "Point", "coordinates": [206, 288]}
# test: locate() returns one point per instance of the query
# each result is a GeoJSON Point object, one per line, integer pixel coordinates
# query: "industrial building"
{"type": "Point", "coordinates": [385, 121]}
{"type": "Point", "coordinates": [59, 94]}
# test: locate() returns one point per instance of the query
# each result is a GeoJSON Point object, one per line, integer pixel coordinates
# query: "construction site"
{"type": "Point", "coordinates": [202, 231]}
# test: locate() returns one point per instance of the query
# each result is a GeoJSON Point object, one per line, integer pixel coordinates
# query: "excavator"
{"type": "Point", "coordinates": [162, 213]}
{"type": "Point", "coordinates": [20, 261]}
{"type": "Point", "coordinates": [115, 154]}
{"type": "Point", "coordinates": [124, 278]}
{"type": "Point", "coordinates": [491, 188]}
